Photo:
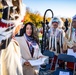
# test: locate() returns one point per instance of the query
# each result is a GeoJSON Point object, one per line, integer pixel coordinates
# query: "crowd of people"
{"type": "Point", "coordinates": [60, 41]}
{"type": "Point", "coordinates": [26, 47]}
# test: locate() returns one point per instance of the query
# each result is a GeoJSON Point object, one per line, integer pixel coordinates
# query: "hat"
{"type": "Point", "coordinates": [74, 18]}
{"type": "Point", "coordinates": [55, 19]}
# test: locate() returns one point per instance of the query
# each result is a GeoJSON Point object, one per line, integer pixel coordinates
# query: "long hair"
{"type": "Point", "coordinates": [34, 31]}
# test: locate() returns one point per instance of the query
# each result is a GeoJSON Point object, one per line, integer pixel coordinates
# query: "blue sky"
{"type": "Point", "coordinates": [61, 8]}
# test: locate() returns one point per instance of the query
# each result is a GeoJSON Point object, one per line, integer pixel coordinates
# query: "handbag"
{"type": "Point", "coordinates": [28, 70]}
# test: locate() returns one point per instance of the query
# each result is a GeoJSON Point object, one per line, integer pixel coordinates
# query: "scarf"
{"type": "Point", "coordinates": [32, 44]}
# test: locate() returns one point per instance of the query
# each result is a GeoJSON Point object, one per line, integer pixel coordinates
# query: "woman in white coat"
{"type": "Point", "coordinates": [29, 45]}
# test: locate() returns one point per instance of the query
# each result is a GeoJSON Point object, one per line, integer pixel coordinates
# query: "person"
{"type": "Point", "coordinates": [70, 35]}
{"type": "Point", "coordinates": [10, 49]}
{"type": "Point", "coordinates": [70, 39]}
{"type": "Point", "coordinates": [10, 54]}
{"type": "Point", "coordinates": [66, 24]}
{"type": "Point", "coordinates": [56, 37]}
{"type": "Point", "coordinates": [29, 45]}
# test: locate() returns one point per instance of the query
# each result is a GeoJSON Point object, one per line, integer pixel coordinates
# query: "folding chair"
{"type": "Point", "coordinates": [45, 68]}
{"type": "Point", "coordinates": [65, 71]}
